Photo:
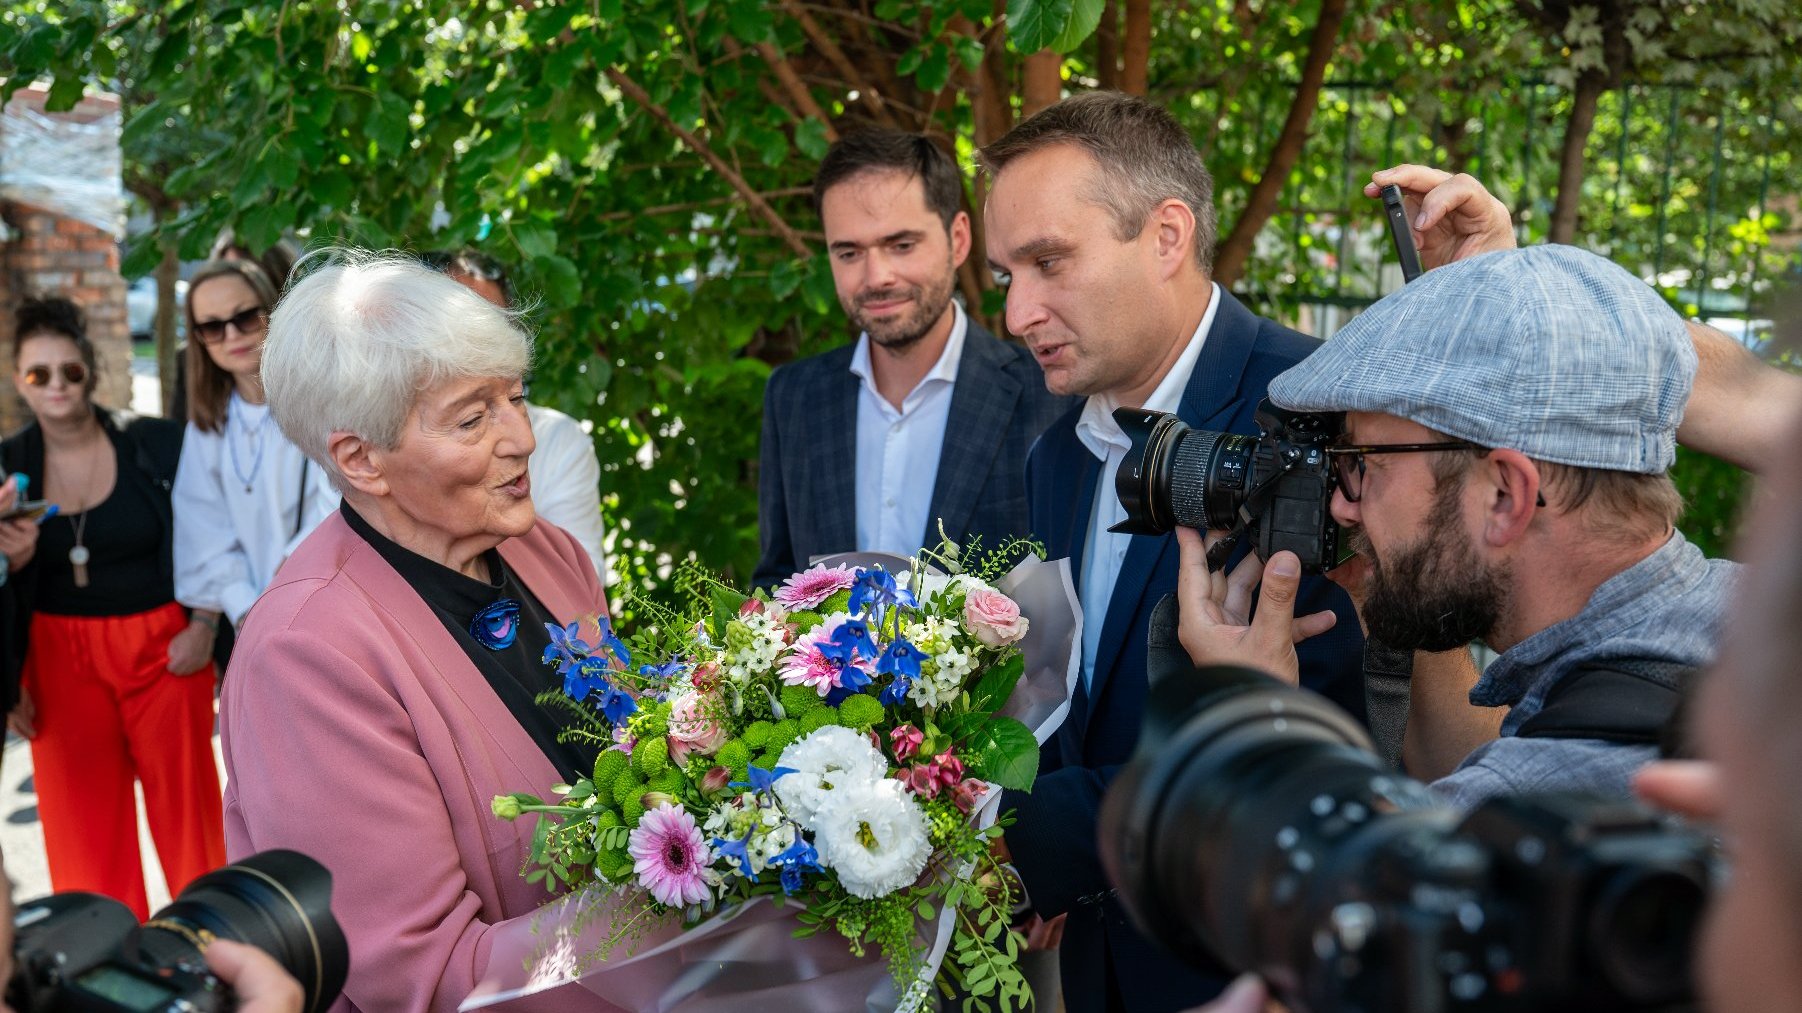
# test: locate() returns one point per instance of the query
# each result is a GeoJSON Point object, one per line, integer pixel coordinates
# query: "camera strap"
{"type": "Point", "coordinates": [1624, 702]}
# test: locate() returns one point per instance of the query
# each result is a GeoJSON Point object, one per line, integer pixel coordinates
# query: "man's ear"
{"type": "Point", "coordinates": [960, 238]}
{"type": "Point", "coordinates": [359, 464]}
{"type": "Point", "coordinates": [1173, 228]}
{"type": "Point", "coordinates": [1512, 498]}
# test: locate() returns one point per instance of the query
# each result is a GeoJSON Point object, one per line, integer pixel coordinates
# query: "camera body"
{"type": "Point", "coordinates": [1254, 828]}
{"type": "Point", "coordinates": [80, 952]}
{"type": "Point", "coordinates": [1277, 486]}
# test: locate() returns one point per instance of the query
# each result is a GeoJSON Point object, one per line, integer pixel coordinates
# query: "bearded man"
{"type": "Point", "coordinates": [921, 425]}
{"type": "Point", "coordinates": [1509, 423]}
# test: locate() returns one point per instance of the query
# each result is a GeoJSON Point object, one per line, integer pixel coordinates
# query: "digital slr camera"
{"type": "Point", "coordinates": [80, 952]}
{"type": "Point", "coordinates": [1254, 828]}
{"type": "Point", "coordinates": [1277, 486]}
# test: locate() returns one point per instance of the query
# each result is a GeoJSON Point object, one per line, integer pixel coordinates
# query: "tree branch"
{"type": "Point", "coordinates": [797, 91]}
{"type": "Point", "coordinates": [632, 90]}
{"type": "Point", "coordinates": [1136, 48]}
{"type": "Point", "coordinates": [697, 205]}
{"type": "Point", "coordinates": [829, 48]}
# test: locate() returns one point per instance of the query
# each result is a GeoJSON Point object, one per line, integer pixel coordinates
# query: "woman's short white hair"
{"type": "Point", "coordinates": [359, 336]}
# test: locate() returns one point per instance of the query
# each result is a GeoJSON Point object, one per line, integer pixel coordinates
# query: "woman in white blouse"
{"type": "Point", "coordinates": [244, 495]}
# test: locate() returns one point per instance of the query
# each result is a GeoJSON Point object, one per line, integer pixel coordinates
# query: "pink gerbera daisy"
{"type": "Point", "coordinates": [670, 856]}
{"type": "Point", "coordinates": [808, 588]}
{"type": "Point", "coordinates": [807, 665]}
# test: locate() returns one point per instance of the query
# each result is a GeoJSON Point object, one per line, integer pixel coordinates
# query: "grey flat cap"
{"type": "Point", "coordinates": [1549, 350]}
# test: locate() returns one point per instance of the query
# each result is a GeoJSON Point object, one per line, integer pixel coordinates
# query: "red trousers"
{"type": "Point", "coordinates": [109, 713]}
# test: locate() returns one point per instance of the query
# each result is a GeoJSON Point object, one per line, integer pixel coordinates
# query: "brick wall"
{"type": "Point", "coordinates": [44, 253]}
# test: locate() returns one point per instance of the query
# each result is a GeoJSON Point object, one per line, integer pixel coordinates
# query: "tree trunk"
{"type": "Point", "coordinates": [1570, 163]}
{"type": "Point", "coordinates": [1041, 81]}
{"type": "Point", "coordinates": [168, 272]}
{"type": "Point", "coordinates": [1107, 47]}
{"type": "Point", "coordinates": [1234, 251]}
{"type": "Point", "coordinates": [1136, 55]}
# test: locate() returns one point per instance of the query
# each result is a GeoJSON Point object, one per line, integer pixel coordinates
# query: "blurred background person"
{"type": "Point", "coordinates": [566, 476]}
{"type": "Point", "coordinates": [244, 495]}
{"type": "Point", "coordinates": [117, 679]}
{"type": "Point", "coordinates": [277, 263]}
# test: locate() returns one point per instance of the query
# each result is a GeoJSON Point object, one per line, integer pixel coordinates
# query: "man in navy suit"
{"type": "Point", "coordinates": [924, 422]}
{"type": "Point", "coordinates": [1101, 218]}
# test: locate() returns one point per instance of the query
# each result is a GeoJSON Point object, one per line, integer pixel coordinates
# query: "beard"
{"type": "Point", "coordinates": [926, 305]}
{"type": "Point", "coordinates": [1435, 594]}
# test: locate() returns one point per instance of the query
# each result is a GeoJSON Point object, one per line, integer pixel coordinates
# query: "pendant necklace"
{"type": "Point", "coordinates": [253, 435]}
{"type": "Point", "coordinates": [79, 555]}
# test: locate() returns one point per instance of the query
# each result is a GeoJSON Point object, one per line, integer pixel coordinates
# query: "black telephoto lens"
{"type": "Point", "coordinates": [278, 901]}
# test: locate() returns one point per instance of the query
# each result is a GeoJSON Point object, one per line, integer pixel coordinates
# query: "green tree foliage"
{"type": "Point", "coordinates": [643, 168]}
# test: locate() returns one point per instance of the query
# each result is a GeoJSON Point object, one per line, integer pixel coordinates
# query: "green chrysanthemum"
{"type": "Point", "coordinates": [608, 765]}
{"type": "Point", "coordinates": [859, 712]}
{"type": "Point", "coordinates": [757, 735]}
{"type": "Point", "coordinates": [814, 720]}
{"type": "Point", "coordinates": [651, 756]}
{"type": "Point", "coordinates": [785, 732]}
{"type": "Point", "coordinates": [734, 756]}
{"type": "Point", "coordinates": [799, 700]}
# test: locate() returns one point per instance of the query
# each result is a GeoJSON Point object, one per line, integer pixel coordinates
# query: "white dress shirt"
{"type": "Point", "coordinates": [898, 449]}
{"type": "Point", "coordinates": [566, 480]}
{"type": "Point", "coordinates": [236, 497]}
{"type": "Point", "coordinates": [1105, 550]}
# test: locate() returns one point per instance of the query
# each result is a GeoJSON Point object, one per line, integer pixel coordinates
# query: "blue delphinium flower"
{"type": "Point", "coordinates": [762, 780]}
{"type": "Point", "coordinates": [738, 851]}
{"type": "Point", "coordinates": [670, 668]}
{"type": "Point", "coordinates": [799, 858]}
{"type": "Point", "coordinates": [876, 589]}
{"type": "Point", "coordinates": [851, 639]}
{"type": "Point", "coordinates": [851, 680]}
{"type": "Point", "coordinates": [901, 659]}
{"type": "Point", "coordinates": [613, 644]}
{"type": "Point", "coordinates": [565, 647]}
{"type": "Point", "coordinates": [617, 704]}
{"type": "Point", "coordinates": [895, 692]}
{"type": "Point", "coordinates": [586, 676]}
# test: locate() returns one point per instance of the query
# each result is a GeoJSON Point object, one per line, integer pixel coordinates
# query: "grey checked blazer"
{"type": "Point", "coordinates": [806, 487]}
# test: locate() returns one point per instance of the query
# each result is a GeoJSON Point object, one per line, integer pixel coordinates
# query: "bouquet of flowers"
{"type": "Point", "coordinates": [835, 749]}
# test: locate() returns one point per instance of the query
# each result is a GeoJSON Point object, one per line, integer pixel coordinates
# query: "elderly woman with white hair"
{"type": "Point", "coordinates": [384, 688]}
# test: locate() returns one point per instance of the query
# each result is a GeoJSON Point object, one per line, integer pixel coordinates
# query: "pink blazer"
{"type": "Point", "coordinates": [355, 730]}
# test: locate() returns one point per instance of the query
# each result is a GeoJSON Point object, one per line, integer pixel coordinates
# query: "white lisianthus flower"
{"type": "Point", "coordinates": [875, 836]}
{"type": "Point", "coordinates": [825, 761]}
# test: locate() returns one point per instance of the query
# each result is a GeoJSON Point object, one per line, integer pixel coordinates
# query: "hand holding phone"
{"type": "Point", "coordinates": [39, 510]}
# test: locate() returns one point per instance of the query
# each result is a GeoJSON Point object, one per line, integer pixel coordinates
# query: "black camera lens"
{"type": "Point", "coordinates": [277, 901]}
{"type": "Point", "coordinates": [1177, 475]}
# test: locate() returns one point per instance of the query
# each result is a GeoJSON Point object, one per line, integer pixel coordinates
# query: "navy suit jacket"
{"type": "Point", "coordinates": [1106, 964]}
{"type": "Point", "coordinates": [806, 486]}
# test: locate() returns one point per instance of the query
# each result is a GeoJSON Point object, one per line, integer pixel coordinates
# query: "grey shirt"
{"type": "Point", "coordinates": [1667, 608]}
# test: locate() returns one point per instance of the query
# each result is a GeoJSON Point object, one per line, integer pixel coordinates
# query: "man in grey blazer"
{"type": "Point", "coordinates": [926, 419]}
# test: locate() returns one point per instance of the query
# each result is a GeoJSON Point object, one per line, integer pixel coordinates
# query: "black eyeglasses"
{"type": "Point", "coordinates": [1348, 462]}
{"type": "Point", "coordinates": [74, 374]}
{"type": "Point", "coordinates": [248, 322]}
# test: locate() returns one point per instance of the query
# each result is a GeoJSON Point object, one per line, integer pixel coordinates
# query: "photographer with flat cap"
{"type": "Point", "coordinates": [1510, 420]}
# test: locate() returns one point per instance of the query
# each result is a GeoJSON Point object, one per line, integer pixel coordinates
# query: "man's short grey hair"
{"type": "Point", "coordinates": [359, 336]}
{"type": "Point", "coordinates": [1144, 155]}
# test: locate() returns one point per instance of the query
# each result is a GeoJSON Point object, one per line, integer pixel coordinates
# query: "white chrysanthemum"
{"type": "Point", "coordinates": [824, 762]}
{"type": "Point", "coordinates": [949, 669]}
{"type": "Point", "coordinates": [875, 836]}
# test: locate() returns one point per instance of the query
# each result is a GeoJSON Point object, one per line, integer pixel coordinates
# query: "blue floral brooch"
{"type": "Point", "coordinates": [497, 626]}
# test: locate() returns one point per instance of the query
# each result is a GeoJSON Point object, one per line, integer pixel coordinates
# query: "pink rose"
{"type": "Point", "coordinates": [695, 726]}
{"type": "Point", "coordinates": [993, 617]}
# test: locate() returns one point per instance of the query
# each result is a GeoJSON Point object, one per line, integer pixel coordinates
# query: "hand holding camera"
{"type": "Point", "coordinates": [1219, 626]}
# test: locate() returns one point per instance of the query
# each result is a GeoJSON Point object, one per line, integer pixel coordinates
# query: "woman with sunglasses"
{"type": "Point", "coordinates": [244, 496]}
{"type": "Point", "coordinates": [117, 680]}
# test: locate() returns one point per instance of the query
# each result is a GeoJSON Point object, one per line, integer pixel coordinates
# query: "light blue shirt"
{"type": "Point", "coordinates": [898, 448]}
{"type": "Point", "coordinates": [1103, 550]}
{"type": "Point", "coordinates": [1667, 608]}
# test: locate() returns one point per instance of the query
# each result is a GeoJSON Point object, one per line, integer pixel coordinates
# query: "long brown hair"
{"type": "Point", "coordinates": [209, 386]}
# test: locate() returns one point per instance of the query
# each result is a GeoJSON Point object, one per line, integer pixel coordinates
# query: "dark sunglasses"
{"type": "Point", "coordinates": [1348, 462]}
{"type": "Point", "coordinates": [74, 374]}
{"type": "Point", "coordinates": [250, 321]}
